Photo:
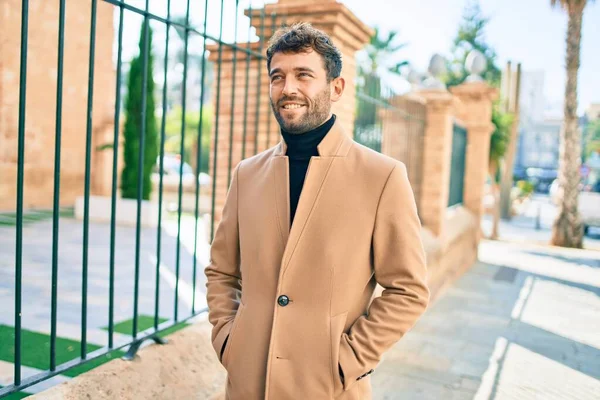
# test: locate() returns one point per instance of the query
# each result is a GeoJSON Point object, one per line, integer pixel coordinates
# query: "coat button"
{"type": "Point", "coordinates": [283, 300]}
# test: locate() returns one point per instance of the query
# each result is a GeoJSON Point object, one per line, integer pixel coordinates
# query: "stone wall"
{"type": "Point", "coordinates": [449, 257]}
{"type": "Point", "coordinates": [40, 120]}
{"type": "Point", "coordinates": [450, 235]}
{"type": "Point", "coordinates": [403, 136]}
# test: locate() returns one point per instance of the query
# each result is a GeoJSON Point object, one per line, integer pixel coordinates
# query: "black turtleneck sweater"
{"type": "Point", "coordinates": [300, 148]}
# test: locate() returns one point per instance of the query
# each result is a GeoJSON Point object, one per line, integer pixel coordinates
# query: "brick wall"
{"type": "Point", "coordinates": [41, 100]}
{"type": "Point", "coordinates": [403, 136]}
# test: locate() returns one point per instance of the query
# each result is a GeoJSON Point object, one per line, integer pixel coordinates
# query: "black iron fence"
{"type": "Point", "coordinates": [174, 103]}
{"type": "Point", "coordinates": [163, 130]}
{"type": "Point", "coordinates": [394, 125]}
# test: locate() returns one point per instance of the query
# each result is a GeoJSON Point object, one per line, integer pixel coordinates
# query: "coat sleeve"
{"type": "Point", "coordinates": [223, 286]}
{"type": "Point", "coordinates": [400, 268]}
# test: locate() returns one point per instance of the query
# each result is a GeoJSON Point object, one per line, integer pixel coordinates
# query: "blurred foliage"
{"type": "Point", "coordinates": [501, 135]}
{"type": "Point", "coordinates": [192, 121]}
{"type": "Point", "coordinates": [525, 188]}
{"type": "Point", "coordinates": [381, 52]}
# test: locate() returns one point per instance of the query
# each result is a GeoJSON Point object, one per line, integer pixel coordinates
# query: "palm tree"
{"type": "Point", "coordinates": [380, 52]}
{"type": "Point", "coordinates": [567, 230]}
{"type": "Point", "coordinates": [499, 143]}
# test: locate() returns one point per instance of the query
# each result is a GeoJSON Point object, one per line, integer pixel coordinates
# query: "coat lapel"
{"type": "Point", "coordinates": [315, 178]}
{"type": "Point", "coordinates": [335, 144]}
{"type": "Point", "coordinates": [280, 174]}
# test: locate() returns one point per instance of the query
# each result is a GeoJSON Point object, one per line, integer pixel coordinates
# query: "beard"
{"type": "Point", "coordinates": [314, 113]}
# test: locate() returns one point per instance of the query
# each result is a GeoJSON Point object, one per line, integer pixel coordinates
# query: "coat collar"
{"type": "Point", "coordinates": [335, 144]}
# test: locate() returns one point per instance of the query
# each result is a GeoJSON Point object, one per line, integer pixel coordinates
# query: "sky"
{"type": "Point", "coordinates": [529, 32]}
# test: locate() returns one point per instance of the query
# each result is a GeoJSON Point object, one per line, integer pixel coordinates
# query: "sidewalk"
{"type": "Point", "coordinates": [521, 324]}
{"type": "Point", "coordinates": [37, 285]}
{"type": "Point", "coordinates": [535, 224]}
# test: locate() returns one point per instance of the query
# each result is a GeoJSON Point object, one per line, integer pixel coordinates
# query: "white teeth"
{"type": "Point", "coordinates": [292, 106]}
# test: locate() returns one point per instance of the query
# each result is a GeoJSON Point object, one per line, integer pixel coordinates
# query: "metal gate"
{"type": "Point", "coordinates": [117, 270]}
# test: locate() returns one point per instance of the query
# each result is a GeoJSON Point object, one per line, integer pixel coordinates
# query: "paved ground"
{"type": "Point", "coordinates": [37, 272]}
{"type": "Point", "coordinates": [37, 269]}
{"type": "Point", "coordinates": [522, 324]}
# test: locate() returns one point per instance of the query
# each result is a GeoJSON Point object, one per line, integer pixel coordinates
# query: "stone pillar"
{"type": "Point", "coordinates": [346, 31]}
{"type": "Point", "coordinates": [476, 112]}
{"type": "Point", "coordinates": [437, 150]}
{"type": "Point", "coordinates": [40, 118]}
{"type": "Point", "coordinates": [260, 130]}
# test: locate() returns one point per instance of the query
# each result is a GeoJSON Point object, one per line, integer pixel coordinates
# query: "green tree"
{"type": "Point", "coordinates": [381, 53]}
{"type": "Point", "coordinates": [567, 229]}
{"type": "Point", "coordinates": [133, 123]}
{"type": "Point", "coordinates": [499, 140]}
{"type": "Point", "coordinates": [471, 36]}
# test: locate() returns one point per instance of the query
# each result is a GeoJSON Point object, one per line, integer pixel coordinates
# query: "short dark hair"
{"type": "Point", "coordinates": [302, 37]}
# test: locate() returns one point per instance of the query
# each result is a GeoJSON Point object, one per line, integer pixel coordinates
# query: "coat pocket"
{"type": "Point", "coordinates": [336, 330]}
{"type": "Point", "coordinates": [231, 339]}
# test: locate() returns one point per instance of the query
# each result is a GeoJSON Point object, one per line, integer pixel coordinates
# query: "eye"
{"type": "Point", "coordinates": [304, 74]}
{"type": "Point", "coordinates": [275, 78]}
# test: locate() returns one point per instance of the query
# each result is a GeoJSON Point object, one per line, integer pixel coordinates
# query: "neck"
{"type": "Point", "coordinates": [305, 144]}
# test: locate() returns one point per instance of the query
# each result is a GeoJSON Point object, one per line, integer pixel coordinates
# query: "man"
{"type": "Point", "coordinates": [308, 229]}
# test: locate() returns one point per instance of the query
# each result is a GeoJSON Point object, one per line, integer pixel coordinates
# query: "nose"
{"type": "Point", "coordinates": [290, 88]}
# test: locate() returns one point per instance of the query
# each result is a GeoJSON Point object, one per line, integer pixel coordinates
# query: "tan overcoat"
{"type": "Point", "coordinates": [296, 302]}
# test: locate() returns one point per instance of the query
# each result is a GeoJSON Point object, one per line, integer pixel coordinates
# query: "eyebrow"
{"type": "Point", "coordinates": [297, 69]}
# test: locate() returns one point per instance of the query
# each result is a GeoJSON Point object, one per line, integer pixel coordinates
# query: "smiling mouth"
{"type": "Point", "coordinates": [292, 106]}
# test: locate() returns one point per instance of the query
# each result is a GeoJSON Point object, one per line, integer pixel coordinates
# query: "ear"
{"type": "Point", "coordinates": [337, 88]}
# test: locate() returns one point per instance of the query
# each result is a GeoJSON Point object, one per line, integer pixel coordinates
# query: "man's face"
{"type": "Point", "coordinates": [300, 94]}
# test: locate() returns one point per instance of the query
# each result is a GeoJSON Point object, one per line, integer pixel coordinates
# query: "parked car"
{"type": "Point", "coordinates": [171, 167]}
{"type": "Point", "coordinates": [541, 178]}
{"type": "Point", "coordinates": [519, 173]}
{"type": "Point", "coordinates": [589, 200]}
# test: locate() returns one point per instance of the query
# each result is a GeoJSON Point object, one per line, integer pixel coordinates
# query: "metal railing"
{"type": "Point", "coordinates": [242, 54]}
{"type": "Point", "coordinates": [136, 267]}
{"type": "Point", "coordinates": [370, 119]}
{"type": "Point", "coordinates": [457, 164]}
{"type": "Point", "coordinates": [381, 115]}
